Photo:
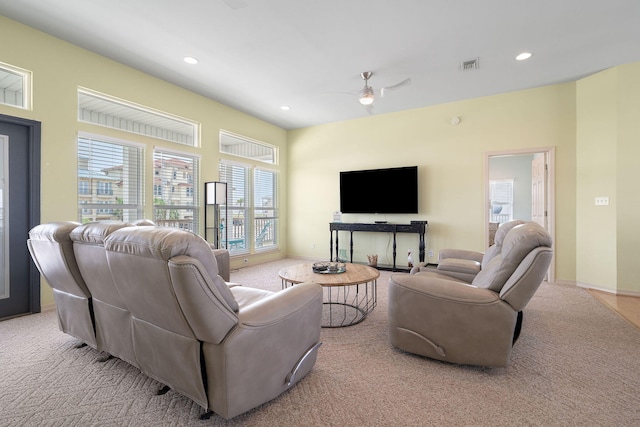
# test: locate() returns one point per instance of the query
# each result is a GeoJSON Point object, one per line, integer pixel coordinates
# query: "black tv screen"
{"type": "Point", "coordinates": [393, 190]}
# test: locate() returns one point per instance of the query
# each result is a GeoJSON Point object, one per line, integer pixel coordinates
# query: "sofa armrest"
{"type": "Point", "coordinates": [274, 345]}
{"type": "Point", "coordinates": [281, 305]}
{"type": "Point", "coordinates": [427, 286]}
{"type": "Point", "coordinates": [460, 254]}
{"type": "Point", "coordinates": [463, 269]}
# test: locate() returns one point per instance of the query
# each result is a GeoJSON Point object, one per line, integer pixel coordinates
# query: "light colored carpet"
{"type": "Point", "coordinates": [575, 364]}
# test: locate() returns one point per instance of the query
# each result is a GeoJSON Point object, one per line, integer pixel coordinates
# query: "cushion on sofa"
{"type": "Point", "coordinates": [166, 243]}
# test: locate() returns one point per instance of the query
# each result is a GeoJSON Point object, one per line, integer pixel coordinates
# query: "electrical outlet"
{"type": "Point", "coordinates": [430, 254]}
{"type": "Point", "coordinates": [602, 201]}
{"type": "Point", "coordinates": [313, 246]}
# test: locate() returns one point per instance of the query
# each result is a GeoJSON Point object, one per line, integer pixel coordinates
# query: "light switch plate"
{"type": "Point", "coordinates": [602, 201]}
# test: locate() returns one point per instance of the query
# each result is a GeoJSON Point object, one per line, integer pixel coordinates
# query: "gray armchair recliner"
{"type": "Point", "coordinates": [477, 323]}
{"type": "Point", "coordinates": [464, 264]}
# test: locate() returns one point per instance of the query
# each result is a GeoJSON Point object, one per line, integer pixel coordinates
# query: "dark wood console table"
{"type": "Point", "coordinates": [418, 227]}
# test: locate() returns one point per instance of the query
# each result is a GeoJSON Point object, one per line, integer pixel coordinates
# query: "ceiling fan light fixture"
{"type": "Point", "coordinates": [523, 56]}
{"type": "Point", "coordinates": [366, 96]}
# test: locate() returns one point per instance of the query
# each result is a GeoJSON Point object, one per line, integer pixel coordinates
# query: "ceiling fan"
{"type": "Point", "coordinates": [366, 95]}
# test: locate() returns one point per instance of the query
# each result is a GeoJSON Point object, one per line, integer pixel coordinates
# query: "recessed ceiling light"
{"type": "Point", "coordinates": [190, 60]}
{"type": "Point", "coordinates": [285, 108]}
{"type": "Point", "coordinates": [523, 56]}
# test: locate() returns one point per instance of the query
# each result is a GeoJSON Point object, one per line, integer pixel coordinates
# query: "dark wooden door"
{"type": "Point", "coordinates": [19, 212]}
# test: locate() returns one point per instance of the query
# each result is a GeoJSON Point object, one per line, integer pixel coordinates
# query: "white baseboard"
{"type": "Point", "coordinates": [621, 292]}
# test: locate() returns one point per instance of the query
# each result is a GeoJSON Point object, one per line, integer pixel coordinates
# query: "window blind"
{"type": "Point", "coordinates": [175, 202]}
{"type": "Point", "coordinates": [110, 180]}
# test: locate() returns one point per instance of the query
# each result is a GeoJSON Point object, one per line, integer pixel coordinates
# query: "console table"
{"type": "Point", "coordinates": [418, 227]}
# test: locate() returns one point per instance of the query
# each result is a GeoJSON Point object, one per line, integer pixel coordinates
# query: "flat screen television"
{"type": "Point", "coordinates": [388, 191]}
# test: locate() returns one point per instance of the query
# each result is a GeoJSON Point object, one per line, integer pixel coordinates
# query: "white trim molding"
{"type": "Point", "coordinates": [620, 292]}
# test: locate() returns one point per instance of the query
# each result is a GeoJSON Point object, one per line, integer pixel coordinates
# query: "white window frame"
{"type": "Point", "coordinates": [135, 210]}
{"type": "Point", "coordinates": [250, 240]}
{"type": "Point", "coordinates": [265, 230]}
{"type": "Point", "coordinates": [238, 223]}
{"type": "Point", "coordinates": [247, 148]}
{"type": "Point", "coordinates": [27, 79]}
{"type": "Point", "coordinates": [169, 185]}
{"type": "Point", "coordinates": [115, 113]}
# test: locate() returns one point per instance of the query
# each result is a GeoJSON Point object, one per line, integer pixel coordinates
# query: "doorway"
{"type": "Point", "coordinates": [519, 184]}
{"type": "Point", "coordinates": [19, 212]}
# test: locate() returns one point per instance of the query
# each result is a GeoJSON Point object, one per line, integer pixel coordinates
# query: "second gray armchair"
{"type": "Point", "coordinates": [475, 323]}
{"type": "Point", "coordinates": [464, 264]}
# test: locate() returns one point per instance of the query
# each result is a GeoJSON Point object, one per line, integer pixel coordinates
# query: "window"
{"type": "Point", "coordinates": [237, 178]}
{"type": "Point", "coordinates": [175, 202]}
{"type": "Point", "coordinates": [83, 186]}
{"type": "Point", "coordinates": [501, 200]}
{"type": "Point", "coordinates": [252, 207]}
{"type": "Point", "coordinates": [105, 188]}
{"type": "Point", "coordinates": [244, 147]}
{"type": "Point", "coordinates": [115, 113]}
{"type": "Point", "coordinates": [15, 86]}
{"type": "Point", "coordinates": [264, 208]}
{"type": "Point", "coordinates": [110, 180]}
{"type": "Point", "coordinates": [251, 194]}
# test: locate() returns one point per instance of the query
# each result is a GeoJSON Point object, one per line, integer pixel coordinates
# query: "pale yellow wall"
{"type": "Point", "coordinates": [597, 136]}
{"type": "Point", "coordinates": [59, 68]}
{"type": "Point", "coordinates": [628, 193]}
{"type": "Point", "coordinates": [451, 175]}
{"type": "Point", "coordinates": [608, 160]}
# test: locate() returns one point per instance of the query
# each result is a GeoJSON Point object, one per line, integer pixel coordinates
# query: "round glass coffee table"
{"type": "Point", "coordinates": [348, 296]}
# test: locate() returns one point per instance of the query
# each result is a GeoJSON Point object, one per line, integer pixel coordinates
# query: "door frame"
{"type": "Point", "coordinates": [34, 132]}
{"type": "Point", "coordinates": [550, 153]}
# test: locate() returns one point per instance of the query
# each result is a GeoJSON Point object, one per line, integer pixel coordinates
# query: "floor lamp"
{"type": "Point", "coordinates": [216, 195]}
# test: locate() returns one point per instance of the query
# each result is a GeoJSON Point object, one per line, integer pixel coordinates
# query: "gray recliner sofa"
{"type": "Point", "coordinates": [228, 348]}
{"type": "Point", "coordinates": [477, 323]}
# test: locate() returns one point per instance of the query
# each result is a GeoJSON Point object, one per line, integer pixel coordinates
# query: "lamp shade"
{"type": "Point", "coordinates": [216, 193]}
{"type": "Point", "coordinates": [366, 96]}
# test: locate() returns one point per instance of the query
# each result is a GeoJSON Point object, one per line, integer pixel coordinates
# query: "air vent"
{"type": "Point", "coordinates": [469, 64]}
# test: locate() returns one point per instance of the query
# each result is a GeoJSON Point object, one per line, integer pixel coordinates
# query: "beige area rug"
{"type": "Point", "coordinates": [576, 364]}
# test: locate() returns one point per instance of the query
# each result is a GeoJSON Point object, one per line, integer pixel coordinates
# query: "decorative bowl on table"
{"type": "Point", "coordinates": [329, 267]}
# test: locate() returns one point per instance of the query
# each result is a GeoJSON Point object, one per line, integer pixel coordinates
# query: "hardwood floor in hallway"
{"type": "Point", "coordinates": [627, 307]}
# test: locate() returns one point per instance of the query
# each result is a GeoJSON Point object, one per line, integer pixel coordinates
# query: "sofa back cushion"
{"type": "Point", "coordinates": [164, 243]}
{"type": "Point", "coordinates": [113, 318]}
{"type": "Point", "coordinates": [518, 243]}
{"type": "Point", "coordinates": [52, 251]}
{"type": "Point", "coordinates": [88, 245]}
{"type": "Point", "coordinates": [498, 239]}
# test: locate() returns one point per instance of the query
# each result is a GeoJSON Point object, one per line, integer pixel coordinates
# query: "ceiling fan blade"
{"type": "Point", "coordinates": [403, 83]}
{"type": "Point", "coordinates": [339, 93]}
{"type": "Point", "coordinates": [235, 4]}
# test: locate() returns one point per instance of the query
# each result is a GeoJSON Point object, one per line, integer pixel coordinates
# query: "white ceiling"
{"type": "Point", "coordinates": [257, 55]}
